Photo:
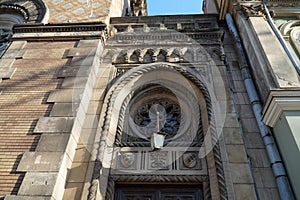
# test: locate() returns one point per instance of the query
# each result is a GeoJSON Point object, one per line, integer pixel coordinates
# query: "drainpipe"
{"type": "Point", "coordinates": [272, 151]}
{"type": "Point", "coordinates": [280, 38]}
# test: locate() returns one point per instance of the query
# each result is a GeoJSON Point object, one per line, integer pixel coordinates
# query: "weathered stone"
{"type": "Point", "coordinates": [68, 71]}
{"type": "Point", "coordinates": [54, 125]}
{"type": "Point", "coordinates": [83, 61]}
{"type": "Point", "coordinates": [268, 178]}
{"type": "Point", "coordinates": [40, 184]}
{"type": "Point", "coordinates": [6, 63]}
{"type": "Point", "coordinates": [104, 72]}
{"type": "Point", "coordinates": [44, 53]}
{"type": "Point", "coordinates": [65, 96]}
{"type": "Point", "coordinates": [17, 45]}
{"type": "Point", "coordinates": [240, 173]}
{"type": "Point", "coordinates": [74, 82]}
{"type": "Point", "coordinates": [77, 173]}
{"type": "Point", "coordinates": [98, 95]}
{"type": "Point", "coordinates": [73, 191]}
{"type": "Point", "coordinates": [231, 120]}
{"type": "Point", "coordinates": [7, 73]}
{"type": "Point", "coordinates": [259, 157]}
{"type": "Point", "coordinates": [102, 83]}
{"type": "Point", "coordinates": [88, 43]}
{"type": "Point", "coordinates": [244, 191]}
{"type": "Point", "coordinates": [87, 136]}
{"type": "Point", "coordinates": [94, 107]}
{"type": "Point", "coordinates": [53, 143]}
{"type": "Point", "coordinates": [245, 111]}
{"type": "Point", "coordinates": [81, 52]}
{"type": "Point", "coordinates": [91, 121]}
{"type": "Point", "coordinates": [64, 110]}
{"type": "Point", "coordinates": [250, 124]}
{"type": "Point", "coordinates": [253, 140]}
{"type": "Point", "coordinates": [83, 153]}
{"type": "Point", "coordinates": [236, 153]}
{"type": "Point", "coordinates": [40, 161]}
{"type": "Point", "coordinates": [19, 197]}
{"type": "Point", "coordinates": [280, 64]}
{"type": "Point", "coordinates": [232, 136]}
{"type": "Point", "coordinates": [14, 54]}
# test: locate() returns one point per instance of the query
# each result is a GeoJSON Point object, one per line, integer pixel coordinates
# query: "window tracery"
{"type": "Point", "coordinates": [175, 118]}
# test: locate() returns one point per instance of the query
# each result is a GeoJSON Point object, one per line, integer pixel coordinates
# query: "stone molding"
{"type": "Point", "coordinates": [204, 180]}
{"type": "Point", "coordinates": [70, 31]}
{"type": "Point", "coordinates": [278, 102]}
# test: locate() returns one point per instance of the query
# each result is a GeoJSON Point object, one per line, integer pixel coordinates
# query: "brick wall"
{"type": "Point", "coordinates": [23, 101]}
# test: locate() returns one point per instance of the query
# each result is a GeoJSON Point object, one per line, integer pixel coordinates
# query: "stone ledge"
{"type": "Point", "coordinates": [14, 197]}
{"type": "Point", "coordinates": [54, 125]}
{"type": "Point", "coordinates": [83, 51]}
{"type": "Point", "coordinates": [65, 96]}
{"type": "Point", "coordinates": [41, 162]}
{"type": "Point", "coordinates": [53, 143]}
{"type": "Point", "coordinates": [38, 184]}
{"type": "Point", "coordinates": [64, 110]}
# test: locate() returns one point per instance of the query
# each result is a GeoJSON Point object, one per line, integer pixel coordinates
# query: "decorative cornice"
{"type": "Point", "coordinates": [278, 102]}
{"type": "Point", "coordinates": [73, 31]}
{"type": "Point", "coordinates": [70, 27]}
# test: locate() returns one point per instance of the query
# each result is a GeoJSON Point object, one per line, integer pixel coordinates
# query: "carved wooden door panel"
{"type": "Point", "coordinates": [158, 192]}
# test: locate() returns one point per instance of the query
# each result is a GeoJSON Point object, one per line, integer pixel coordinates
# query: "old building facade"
{"type": "Point", "coordinates": [100, 101]}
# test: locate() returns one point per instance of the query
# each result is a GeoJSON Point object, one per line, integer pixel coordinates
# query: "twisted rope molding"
{"type": "Point", "coordinates": [188, 73]}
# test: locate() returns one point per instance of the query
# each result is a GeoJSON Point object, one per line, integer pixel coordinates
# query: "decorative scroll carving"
{"type": "Point", "coordinates": [158, 160]}
{"type": "Point", "coordinates": [251, 10]}
{"type": "Point", "coordinates": [189, 159]}
{"type": "Point", "coordinates": [127, 159]}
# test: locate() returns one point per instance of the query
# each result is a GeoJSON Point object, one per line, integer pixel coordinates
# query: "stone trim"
{"type": "Point", "coordinates": [165, 179]}
{"type": "Point", "coordinates": [70, 31]}
{"type": "Point", "coordinates": [106, 140]}
{"type": "Point", "coordinates": [277, 102]}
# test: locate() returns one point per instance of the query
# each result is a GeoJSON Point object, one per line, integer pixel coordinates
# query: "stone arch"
{"type": "Point", "coordinates": [287, 27]}
{"type": "Point", "coordinates": [114, 103]}
{"type": "Point", "coordinates": [34, 11]}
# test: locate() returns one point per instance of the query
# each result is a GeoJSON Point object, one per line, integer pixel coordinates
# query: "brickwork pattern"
{"type": "Point", "coordinates": [22, 102]}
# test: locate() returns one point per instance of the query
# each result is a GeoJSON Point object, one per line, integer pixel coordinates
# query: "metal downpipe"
{"type": "Point", "coordinates": [272, 151]}
{"type": "Point", "coordinates": [280, 38]}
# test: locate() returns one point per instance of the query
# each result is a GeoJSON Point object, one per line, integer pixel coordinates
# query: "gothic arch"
{"type": "Point", "coordinates": [121, 92]}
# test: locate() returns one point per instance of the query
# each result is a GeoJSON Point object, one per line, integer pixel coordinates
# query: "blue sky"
{"type": "Point", "coordinates": [172, 7]}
